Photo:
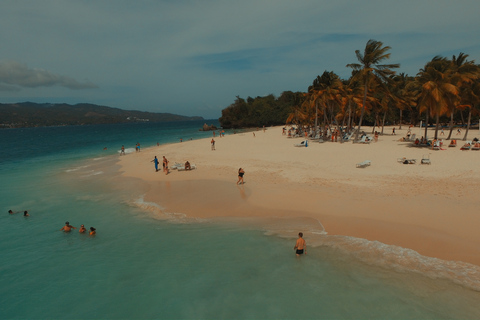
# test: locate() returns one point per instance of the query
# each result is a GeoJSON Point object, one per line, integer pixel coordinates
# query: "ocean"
{"type": "Point", "coordinates": [140, 266]}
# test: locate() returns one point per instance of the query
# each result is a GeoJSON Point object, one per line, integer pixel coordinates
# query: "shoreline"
{"type": "Point", "coordinates": [426, 208]}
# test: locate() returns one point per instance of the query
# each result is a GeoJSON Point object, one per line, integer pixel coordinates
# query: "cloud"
{"type": "Point", "coordinates": [15, 75]}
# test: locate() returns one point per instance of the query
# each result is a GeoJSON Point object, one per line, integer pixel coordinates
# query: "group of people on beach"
{"type": "Point", "coordinates": [25, 213]}
{"type": "Point", "coordinates": [165, 164]}
{"type": "Point", "coordinates": [68, 227]}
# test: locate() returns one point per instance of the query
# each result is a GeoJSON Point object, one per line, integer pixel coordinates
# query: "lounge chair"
{"type": "Point", "coordinates": [453, 143]}
{"type": "Point", "coordinates": [406, 161]}
{"type": "Point", "coordinates": [182, 167]}
{"type": "Point", "coordinates": [304, 143]}
{"type": "Point", "coordinates": [366, 139]}
{"type": "Point", "coordinates": [437, 145]}
{"type": "Point", "coordinates": [466, 146]}
{"type": "Point", "coordinates": [364, 164]}
{"type": "Point", "coordinates": [476, 146]}
{"type": "Point", "coordinates": [425, 159]}
{"type": "Point", "coordinates": [176, 165]}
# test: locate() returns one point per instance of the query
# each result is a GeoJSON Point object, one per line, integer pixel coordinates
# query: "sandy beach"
{"type": "Point", "coordinates": [432, 209]}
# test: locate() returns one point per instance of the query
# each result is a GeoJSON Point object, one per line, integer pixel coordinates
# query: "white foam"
{"type": "Point", "coordinates": [403, 260]}
{"type": "Point", "coordinates": [76, 169]}
{"type": "Point", "coordinates": [127, 150]}
{"type": "Point", "coordinates": [158, 212]}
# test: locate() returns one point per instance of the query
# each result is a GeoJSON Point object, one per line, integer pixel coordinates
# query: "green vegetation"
{"type": "Point", "coordinates": [30, 114]}
{"type": "Point", "coordinates": [260, 111]}
{"type": "Point", "coordinates": [446, 92]}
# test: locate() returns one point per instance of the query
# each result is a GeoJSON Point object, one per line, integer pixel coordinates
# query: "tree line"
{"type": "Point", "coordinates": [445, 90]}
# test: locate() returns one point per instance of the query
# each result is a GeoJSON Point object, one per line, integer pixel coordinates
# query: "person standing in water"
{"type": "Point", "coordinates": [93, 231]}
{"type": "Point", "coordinates": [82, 229]}
{"type": "Point", "coordinates": [67, 227]}
{"type": "Point", "coordinates": [300, 245]}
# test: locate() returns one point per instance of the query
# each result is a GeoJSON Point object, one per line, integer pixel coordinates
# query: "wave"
{"type": "Point", "coordinates": [158, 212]}
{"type": "Point", "coordinates": [372, 253]}
{"type": "Point", "coordinates": [402, 260]}
{"type": "Point", "coordinates": [76, 168]}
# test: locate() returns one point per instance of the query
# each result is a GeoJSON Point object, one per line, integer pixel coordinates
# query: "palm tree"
{"type": "Point", "coordinates": [463, 74]}
{"type": "Point", "coordinates": [436, 90]}
{"type": "Point", "coordinates": [370, 68]}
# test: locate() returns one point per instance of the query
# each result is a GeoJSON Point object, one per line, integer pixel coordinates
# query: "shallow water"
{"type": "Point", "coordinates": [139, 266]}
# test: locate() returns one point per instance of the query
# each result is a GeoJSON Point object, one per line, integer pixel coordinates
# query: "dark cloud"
{"type": "Point", "coordinates": [15, 75]}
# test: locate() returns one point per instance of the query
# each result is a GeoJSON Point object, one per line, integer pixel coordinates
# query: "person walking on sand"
{"type": "Point", "coordinates": [165, 165]}
{"type": "Point", "coordinates": [67, 227]}
{"type": "Point", "coordinates": [155, 160]}
{"type": "Point", "coordinates": [393, 131]}
{"type": "Point", "coordinates": [213, 144]}
{"type": "Point", "coordinates": [300, 246]}
{"type": "Point", "coordinates": [241, 172]}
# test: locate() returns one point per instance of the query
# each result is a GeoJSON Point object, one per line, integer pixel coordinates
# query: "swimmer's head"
{"type": "Point", "coordinates": [67, 222]}
{"type": "Point", "coordinates": [10, 211]}
{"type": "Point", "coordinates": [83, 226]}
{"type": "Point", "coordinates": [300, 234]}
{"type": "Point", "coordinates": [92, 228]}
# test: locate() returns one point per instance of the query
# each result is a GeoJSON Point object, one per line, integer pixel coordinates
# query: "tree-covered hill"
{"type": "Point", "coordinates": [29, 114]}
{"type": "Point", "coordinates": [260, 111]}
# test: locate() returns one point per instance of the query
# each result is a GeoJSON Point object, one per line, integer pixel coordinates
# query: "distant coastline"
{"type": "Point", "coordinates": [30, 114]}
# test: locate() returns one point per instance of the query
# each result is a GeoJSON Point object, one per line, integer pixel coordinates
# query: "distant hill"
{"type": "Point", "coordinates": [29, 114]}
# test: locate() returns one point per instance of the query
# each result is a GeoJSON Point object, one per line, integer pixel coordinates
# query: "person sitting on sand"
{"type": "Point", "coordinates": [240, 175]}
{"type": "Point", "coordinates": [93, 231]}
{"type": "Point", "coordinates": [187, 166]}
{"type": "Point", "coordinates": [67, 227]}
{"type": "Point", "coordinates": [300, 245]}
{"type": "Point", "coordinates": [82, 229]}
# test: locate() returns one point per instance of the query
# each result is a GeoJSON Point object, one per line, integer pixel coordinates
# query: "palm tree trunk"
{"type": "Point", "coordinates": [426, 125]}
{"type": "Point", "coordinates": [468, 123]}
{"type": "Point", "coordinates": [437, 124]}
{"type": "Point", "coordinates": [401, 117]}
{"type": "Point", "coordinates": [383, 122]}
{"type": "Point", "coordinates": [361, 114]}
{"type": "Point", "coordinates": [451, 126]}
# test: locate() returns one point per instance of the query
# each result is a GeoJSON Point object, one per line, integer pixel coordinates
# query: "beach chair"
{"type": "Point", "coordinates": [466, 146]}
{"type": "Point", "coordinates": [304, 143]}
{"type": "Point", "coordinates": [364, 164]}
{"type": "Point", "coordinates": [176, 166]}
{"type": "Point", "coordinates": [406, 161]}
{"type": "Point", "coordinates": [476, 146]}
{"type": "Point", "coordinates": [182, 167]}
{"type": "Point", "coordinates": [366, 139]}
{"type": "Point", "coordinates": [453, 143]}
{"type": "Point", "coordinates": [425, 159]}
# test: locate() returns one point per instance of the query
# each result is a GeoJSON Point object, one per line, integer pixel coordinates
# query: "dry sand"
{"type": "Point", "coordinates": [432, 209]}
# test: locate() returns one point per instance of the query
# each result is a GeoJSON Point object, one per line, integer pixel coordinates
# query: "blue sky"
{"type": "Point", "coordinates": [194, 57]}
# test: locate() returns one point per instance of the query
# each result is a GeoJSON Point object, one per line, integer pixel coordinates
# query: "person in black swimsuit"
{"type": "Point", "coordinates": [240, 176]}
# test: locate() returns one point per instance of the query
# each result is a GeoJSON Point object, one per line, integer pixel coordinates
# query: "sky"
{"type": "Point", "coordinates": [194, 58]}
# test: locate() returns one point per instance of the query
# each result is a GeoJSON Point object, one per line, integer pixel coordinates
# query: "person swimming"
{"type": "Point", "coordinates": [25, 213]}
{"type": "Point", "coordinates": [93, 231]}
{"type": "Point", "coordinates": [82, 229]}
{"type": "Point", "coordinates": [67, 227]}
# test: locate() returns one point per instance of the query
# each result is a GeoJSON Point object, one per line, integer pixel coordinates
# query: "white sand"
{"type": "Point", "coordinates": [433, 209]}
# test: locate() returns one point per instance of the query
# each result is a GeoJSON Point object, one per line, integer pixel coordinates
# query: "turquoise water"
{"type": "Point", "coordinates": [141, 267]}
